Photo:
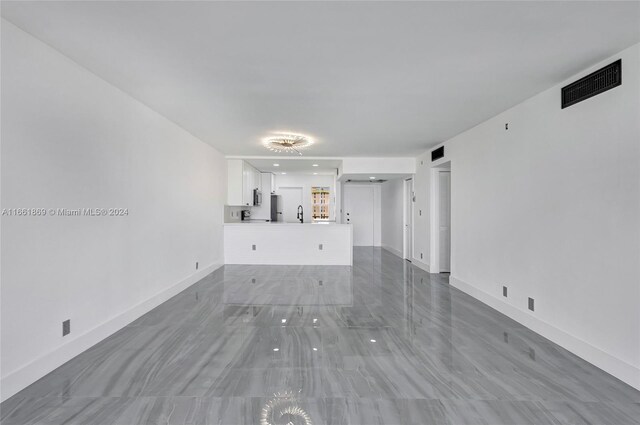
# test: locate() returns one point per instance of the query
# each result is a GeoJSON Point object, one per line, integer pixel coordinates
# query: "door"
{"type": "Point", "coordinates": [408, 220]}
{"type": "Point", "coordinates": [444, 210]}
{"type": "Point", "coordinates": [359, 212]}
{"type": "Point", "coordinates": [291, 197]}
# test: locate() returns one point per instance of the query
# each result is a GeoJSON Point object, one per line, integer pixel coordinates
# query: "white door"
{"type": "Point", "coordinates": [358, 211]}
{"type": "Point", "coordinates": [408, 218]}
{"type": "Point", "coordinates": [291, 197]}
{"type": "Point", "coordinates": [444, 206]}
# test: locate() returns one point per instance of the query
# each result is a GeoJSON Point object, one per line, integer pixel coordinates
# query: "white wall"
{"type": "Point", "coordinates": [71, 140]}
{"type": "Point", "coordinates": [421, 213]}
{"type": "Point", "coordinates": [307, 181]}
{"type": "Point", "coordinates": [392, 220]}
{"type": "Point", "coordinates": [551, 209]}
{"type": "Point", "coordinates": [377, 166]}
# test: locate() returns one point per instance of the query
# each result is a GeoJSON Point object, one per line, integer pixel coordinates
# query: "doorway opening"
{"type": "Point", "coordinates": [407, 252]}
{"type": "Point", "coordinates": [441, 219]}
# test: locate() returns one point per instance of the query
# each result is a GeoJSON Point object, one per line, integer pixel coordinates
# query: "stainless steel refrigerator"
{"type": "Point", "coordinates": [276, 208]}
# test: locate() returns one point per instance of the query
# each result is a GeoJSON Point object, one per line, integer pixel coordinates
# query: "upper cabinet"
{"type": "Point", "coordinates": [242, 180]}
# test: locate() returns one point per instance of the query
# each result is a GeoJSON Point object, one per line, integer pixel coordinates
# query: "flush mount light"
{"type": "Point", "coordinates": [315, 349]}
{"type": "Point", "coordinates": [372, 178]}
{"type": "Point", "coordinates": [287, 142]}
{"type": "Point", "coordinates": [276, 165]}
{"type": "Point", "coordinates": [276, 349]}
{"type": "Point", "coordinates": [314, 165]}
{"type": "Point", "coordinates": [372, 340]}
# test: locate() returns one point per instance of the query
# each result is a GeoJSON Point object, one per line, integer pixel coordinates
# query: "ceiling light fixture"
{"type": "Point", "coordinates": [315, 174]}
{"type": "Point", "coordinates": [314, 165]}
{"type": "Point", "coordinates": [372, 178]}
{"type": "Point", "coordinates": [283, 173]}
{"type": "Point", "coordinates": [276, 165]}
{"type": "Point", "coordinates": [287, 142]}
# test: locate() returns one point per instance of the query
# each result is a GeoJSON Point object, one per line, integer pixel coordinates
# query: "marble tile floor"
{"type": "Point", "coordinates": [381, 342]}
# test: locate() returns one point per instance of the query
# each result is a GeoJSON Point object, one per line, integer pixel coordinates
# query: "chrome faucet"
{"type": "Point", "coordinates": [300, 214]}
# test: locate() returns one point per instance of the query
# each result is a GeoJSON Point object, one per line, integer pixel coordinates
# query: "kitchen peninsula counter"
{"type": "Point", "coordinates": [280, 243]}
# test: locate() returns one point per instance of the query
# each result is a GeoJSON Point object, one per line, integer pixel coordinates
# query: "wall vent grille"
{"type": "Point", "coordinates": [593, 84]}
{"type": "Point", "coordinates": [436, 154]}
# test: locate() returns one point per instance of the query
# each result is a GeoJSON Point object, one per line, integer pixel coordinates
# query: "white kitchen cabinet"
{"type": "Point", "coordinates": [248, 183]}
{"type": "Point", "coordinates": [235, 182]}
{"type": "Point", "coordinates": [257, 180]}
{"type": "Point", "coordinates": [242, 179]}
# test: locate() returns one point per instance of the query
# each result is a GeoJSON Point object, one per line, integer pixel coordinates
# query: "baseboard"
{"type": "Point", "coordinates": [420, 264]}
{"type": "Point", "coordinates": [31, 372]}
{"type": "Point", "coordinates": [392, 250]}
{"type": "Point", "coordinates": [610, 364]}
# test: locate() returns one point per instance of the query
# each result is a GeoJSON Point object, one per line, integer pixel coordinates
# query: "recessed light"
{"type": "Point", "coordinates": [315, 349]}
{"type": "Point", "coordinates": [372, 340]}
{"type": "Point", "coordinates": [276, 349]}
{"type": "Point", "coordinates": [315, 174]}
{"type": "Point", "coordinates": [276, 165]}
{"type": "Point", "coordinates": [283, 173]}
{"type": "Point", "coordinates": [315, 165]}
{"type": "Point", "coordinates": [284, 320]}
{"type": "Point", "coordinates": [372, 178]}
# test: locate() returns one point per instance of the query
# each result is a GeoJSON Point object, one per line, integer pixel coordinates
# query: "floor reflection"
{"type": "Point", "coordinates": [284, 409]}
{"type": "Point", "coordinates": [381, 342]}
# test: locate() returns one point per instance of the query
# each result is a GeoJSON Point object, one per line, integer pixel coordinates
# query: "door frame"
{"type": "Point", "coordinates": [407, 219]}
{"type": "Point", "coordinates": [434, 260]}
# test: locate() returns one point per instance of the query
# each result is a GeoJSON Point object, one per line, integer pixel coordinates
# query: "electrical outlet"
{"type": "Point", "coordinates": [66, 327]}
{"type": "Point", "coordinates": [532, 354]}
{"type": "Point", "coordinates": [504, 291]}
{"type": "Point", "coordinates": [531, 306]}
{"type": "Point", "coordinates": [421, 256]}
{"type": "Point", "coordinates": [253, 247]}
{"type": "Point", "coordinates": [253, 281]}
{"type": "Point", "coordinates": [320, 247]}
{"type": "Point", "coordinates": [320, 282]}
{"type": "Point", "coordinates": [196, 265]}
{"type": "Point", "coordinates": [420, 212]}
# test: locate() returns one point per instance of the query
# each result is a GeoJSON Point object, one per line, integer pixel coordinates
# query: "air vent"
{"type": "Point", "coordinates": [595, 83]}
{"type": "Point", "coordinates": [436, 154]}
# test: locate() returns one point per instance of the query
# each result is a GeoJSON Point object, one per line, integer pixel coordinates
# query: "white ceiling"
{"type": "Point", "coordinates": [363, 78]}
